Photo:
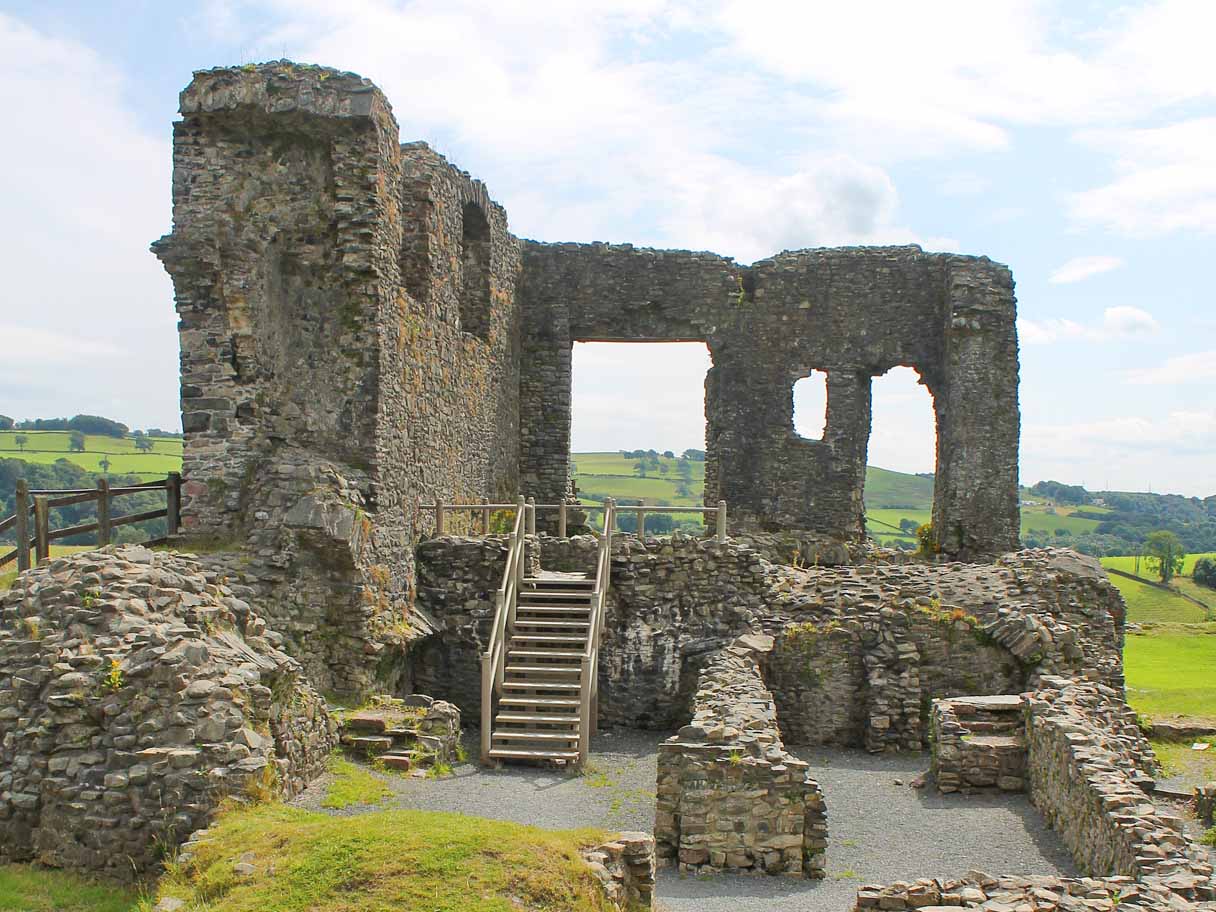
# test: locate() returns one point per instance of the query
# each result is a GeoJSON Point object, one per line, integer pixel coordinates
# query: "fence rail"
{"type": "Point", "coordinates": [36, 505]}
{"type": "Point", "coordinates": [529, 507]}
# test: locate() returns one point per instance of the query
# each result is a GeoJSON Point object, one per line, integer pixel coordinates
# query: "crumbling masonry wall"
{"type": "Point", "coordinates": [349, 343]}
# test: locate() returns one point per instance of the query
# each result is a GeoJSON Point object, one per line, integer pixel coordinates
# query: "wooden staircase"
{"type": "Point", "coordinates": [540, 709]}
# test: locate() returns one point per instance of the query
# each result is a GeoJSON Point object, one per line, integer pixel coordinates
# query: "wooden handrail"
{"type": "Point", "coordinates": [41, 502]}
{"type": "Point", "coordinates": [589, 664]}
{"type": "Point", "coordinates": [506, 599]}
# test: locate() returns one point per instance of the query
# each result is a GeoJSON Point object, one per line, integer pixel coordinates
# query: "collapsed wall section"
{"type": "Point", "coordinates": [729, 797]}
{"type": "Point", "coordinates": [349, 344]}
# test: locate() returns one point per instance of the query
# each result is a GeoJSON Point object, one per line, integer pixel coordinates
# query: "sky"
{"type": "Point", "coordinates": [1074, 141]}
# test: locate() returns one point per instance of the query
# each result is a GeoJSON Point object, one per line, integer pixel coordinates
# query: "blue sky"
{"type": "Point", "coordinates": [1074, 141]}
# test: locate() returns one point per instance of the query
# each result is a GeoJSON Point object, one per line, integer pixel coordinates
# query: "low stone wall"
{"type": "Point", "coordinates": [136, 692]}
{"type": "Point", "coordinates": [625, 866]}
{"type": "Point", "coordinates": [1205, 802]}
{"type": "Point", "coordinates": [978, 743]}
{"type": "Point", "coordinates": [729, 797]}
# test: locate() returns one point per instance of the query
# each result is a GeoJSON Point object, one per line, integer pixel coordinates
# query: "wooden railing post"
{"type": "Point", "coordinates": [487, 698]}
{"type": "Point", "coordinates": [42, 530]}
{"type": "Point", "coordinates": [641, 524]}
{"type": "Point", "coordinates": [22, 503]}
{"type": "Point", "coordinates": [721, 520]}
{"type": "Point", "coordinates": [438, 517]}
{"type": "Point", "coordinates": [531, 515]}
{"type": "Point", "coordinates": [584, 729]}
{"type": "Point", "coordinates": [173, 503]}
{"type": "Point", "coordinates": [561, 519]}
{"type": "Point", "coordinates": [103, 512]}
{"type": "Point", "coordinates": [485, 521]}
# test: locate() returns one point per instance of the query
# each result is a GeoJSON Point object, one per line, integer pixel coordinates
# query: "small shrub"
{"type": "Point", "coordinates": [926, 540]}
{"type": "Point", "coordinates": [112, 680]}
{"type": "Point", "coordinates": [1209, 837]}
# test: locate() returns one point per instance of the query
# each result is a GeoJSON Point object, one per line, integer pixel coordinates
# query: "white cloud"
{"type": "Point", "coordinates": [1164, 180]}
{"type": "Point", "coordinates": [1080, 268]}
{"type": "Point", "coordinates": [1192, 368]}
{"type": "Point", "coordinates": [1121, 321]}
{"type": "Point", "coordinates": [88, 190]}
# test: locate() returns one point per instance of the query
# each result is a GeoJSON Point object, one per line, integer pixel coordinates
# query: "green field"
{"type": "Point", "coordinates": [1128, 564]}
{"type": "Point", "coordinates": [1171, 671]}
{"type": "Point", "coordinates": [24, 888]}
{"type": "Point", "coordinates": [8, 572]}
{"type": "Point", "coordinates": [1149, 604]}
{"type": "Point", "coordinates": [48, 446]}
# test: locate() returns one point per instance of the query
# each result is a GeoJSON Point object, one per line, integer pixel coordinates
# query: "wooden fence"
{"type": "Point", "coordinates": [33, 513]}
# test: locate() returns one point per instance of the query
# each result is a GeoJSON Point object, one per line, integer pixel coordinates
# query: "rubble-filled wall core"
{"type": "Point", "coordinates": [360, 330]}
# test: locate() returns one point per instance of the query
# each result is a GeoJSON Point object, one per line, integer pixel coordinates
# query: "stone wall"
{"type": "Point", "coordinates": [729, 796]}
{"type": "Point", "coordinates": [854, 313]}
{"type": "Point", "coordinates": [136, 692]}
{"type": "Point", "coordinates": [350, 343]}
{"type": "Point", "coordinates": [861, 650]}
{"type": "Point", "coordinates": [978, 743]}
{"type": "Point", "coordinates": [625, 866]}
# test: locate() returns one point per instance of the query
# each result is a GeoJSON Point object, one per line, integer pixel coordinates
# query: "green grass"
{"type": "Point", "coordinates": [1171, 671]}
{"type": "Point", "coordinates": [24, 888]}
{"type": "Point", "coordinates": [1150, 605]}
{"type": "Point", "coordinates": [886, 489]}
{"type": "Point", "coordinates": [384, 861]}
{"type": "Point", "coordinates": [353, 784]}
{"type": "Point", "coordinates": [47, 446]}
{"type": "Point", "coordinates": [1128, 565]}
{"type": "Point", "coordinates": [1177, 759]}
{"type": "Point", "coordinates": [10, 570]}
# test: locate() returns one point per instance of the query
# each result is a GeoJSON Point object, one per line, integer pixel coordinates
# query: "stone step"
{"type": "Point", "coordinates": [514, 753]}
{"type": "Point", "coordinates": [536, 718]}
{"type": "Point", "coordinates": [397, 760]}
{"type": "Point", "coordinates": [547, 702]}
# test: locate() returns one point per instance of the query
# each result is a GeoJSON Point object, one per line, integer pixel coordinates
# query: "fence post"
{"type": "Point", "coordinates": [22, 503]}
{"type": "Point", "coordinates": [641, 524]}
{"type": "Point", "coordinates": [520, 508]}
{"type": "Point", "coordinates": [173, 503]}
{"type": "Point", "coordinates": [721, 520]}
{"type": "Point", "coordinates": [561, 519]}
{"type": "Point", "coordinates": [531, 515]}
{"type": "Point", "coordinates": [438, 517]}
{"type": "Point", "coordinates": [42, 530]}
{"type": "Point", "coordinates": [485, 521]}
{"type": "Point", "coordinates": [103, 512]}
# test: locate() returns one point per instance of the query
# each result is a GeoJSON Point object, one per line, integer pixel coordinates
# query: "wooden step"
{"type": "Point", "coordinates": [570, 625]}
{"type": "Point", "coordinates": [515, 753]}
{"type": "Point", "coordinates": [579, 638]}
{"type": "Point", "coordinates": [543, 669]}
{"type": "Point", "coordinates": [523, 734]}
{"type": "Point", "coordinates": [532, 653]}
{"type": "Point", "coordinates": [540, 685]}
{"type": "Point", "coordinates": [559, 581]}
{"type": "Point", "coordinates": [549, 702]}
{"type": "Point", "coordinates": [523, 718]}
{"type": "Point", "coordinates": [552, 609]}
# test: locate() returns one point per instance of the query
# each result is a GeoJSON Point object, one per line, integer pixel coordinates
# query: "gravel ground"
{"type": "Point", "coordinates": [879, 831]}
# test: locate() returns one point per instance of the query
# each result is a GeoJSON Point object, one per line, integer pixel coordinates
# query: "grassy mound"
{"type": "Point", "coordinates": [387, 860]}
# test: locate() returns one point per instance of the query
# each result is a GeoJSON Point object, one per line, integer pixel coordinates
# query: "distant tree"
{"type": "Point", "coordinates": [95, 424]}
{"type": "Point", "coordinates": [682, 489]}
{"type": "Point", "coordinates": [664, 468]}
{"type": "Point", "coordinates": [641, 467]}
{"type": "Point", "coordinates": [1164, 553]}
{"type": "Point", "coordinates": [143, 444]}
{"type": "Point", "coordinates": [669, 454]}
{"type": "Point", "coordinates": [684, 467]}
{"type": "Point", "coordinates": [908, 525]}
{"type": "Point", "coordinates": [1205, 572]}
{"type": "Point", "coordinates": [695, 455]}
{"type": "Point", "coordinates": [6, 423]}
{"type": "Point", "coordinates": [104, 465]}
{"type": "Point", "coordinates": [76, 442]}
{"type": "Point", "coordinates": [1062, 533]}
{"type": "Point", "coordinates": [21, 440]}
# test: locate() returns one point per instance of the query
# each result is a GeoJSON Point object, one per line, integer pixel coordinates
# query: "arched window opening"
{"type": "Point", "coordinates": [811, 406]}
{"type": "Point", "coordinates": [902, 457]}
{"type": "Point", "coordinates": [475, 272]}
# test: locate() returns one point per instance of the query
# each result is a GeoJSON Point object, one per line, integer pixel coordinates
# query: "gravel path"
{"type": "Point", "coordinates": [879, 831]}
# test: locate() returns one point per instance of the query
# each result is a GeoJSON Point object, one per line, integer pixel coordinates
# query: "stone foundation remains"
{"type": "Point", "coordinates": [416, 732]}
{"type": "Point", "coordinates": [136, 692]}
{"type": "Point", "coordinates": [625, 866]}
{"type": "Point", "coordinates": [729, 796]}
{"type": "Point", "coordinates": [978, 743]}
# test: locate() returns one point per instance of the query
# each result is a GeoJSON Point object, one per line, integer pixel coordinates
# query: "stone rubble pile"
{"type": "Point", "coordinates": [136, 693]}
{"type": "Point", "coordinates": [625, 866]}
{"type": "Point", "coordinates": [729, 797]}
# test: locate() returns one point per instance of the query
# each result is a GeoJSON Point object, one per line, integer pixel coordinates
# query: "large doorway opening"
{"type": "Point", "coordinates": [637, 429]}
{"type": "Point", "coordinates": [902, 457]}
